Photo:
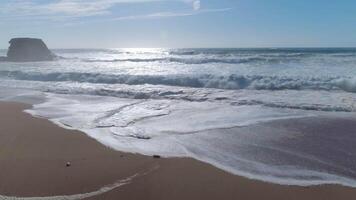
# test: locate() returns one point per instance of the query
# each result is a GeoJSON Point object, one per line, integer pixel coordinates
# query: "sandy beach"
{"type": "Point", "coordinates": [177, 100]}
{"type": "Point", "coordinates": [34, 153]}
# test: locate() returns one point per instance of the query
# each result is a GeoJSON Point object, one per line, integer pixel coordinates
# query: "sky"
{"type": "Point", "coordinates": [180, 23]}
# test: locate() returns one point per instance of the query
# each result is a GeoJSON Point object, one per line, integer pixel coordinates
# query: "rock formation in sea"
{"type": "Point", "coordinates": [28, 50]}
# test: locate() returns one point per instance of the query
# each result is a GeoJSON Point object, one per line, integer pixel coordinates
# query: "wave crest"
{"type": "Point", "coordinates": [196, 61]}
{"type": "Point", "coordinates": [232, 82]}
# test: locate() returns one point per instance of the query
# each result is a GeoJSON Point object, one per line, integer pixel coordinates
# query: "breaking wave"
{"type": "Point", "coordinates": [198, 61]}
{"type": "Point", "coordinates": [232, 82]}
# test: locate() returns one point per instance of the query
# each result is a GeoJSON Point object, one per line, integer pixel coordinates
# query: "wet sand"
{"type": "Point", "coordinates": [34, 153]}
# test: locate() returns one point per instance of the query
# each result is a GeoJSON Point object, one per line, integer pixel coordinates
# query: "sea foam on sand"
{"type": "Point", "coordinates": [226, 136]}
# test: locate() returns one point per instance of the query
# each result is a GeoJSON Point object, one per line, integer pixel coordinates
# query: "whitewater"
{"type": "Point", "coordinates": [214, 105]}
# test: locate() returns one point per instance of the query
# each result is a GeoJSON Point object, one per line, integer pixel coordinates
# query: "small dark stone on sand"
{"type": "Point", "coordinates": [68, 164]}
{"type": "Point", "coordinates": [156, 156]}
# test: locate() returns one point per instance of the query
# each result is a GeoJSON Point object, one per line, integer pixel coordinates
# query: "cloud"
{"type": "Point", "coordinates": [169, 14]}
{"type": "Point", "coordinates": [196, 5]}
{"type": "Point", "coordinates": [69, 9]}
{"type": "Point", "coordinates": [157, 15]}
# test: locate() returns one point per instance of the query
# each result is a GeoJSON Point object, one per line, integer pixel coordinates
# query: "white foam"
{"type": "Point", "coordinates": [294, 99]}
{"type": "Point", "coordinates": [154, 116]}
{"type": "Point", "coordinates": [230, 81]}
{"type": "Point", "coordinates": [207, 131]}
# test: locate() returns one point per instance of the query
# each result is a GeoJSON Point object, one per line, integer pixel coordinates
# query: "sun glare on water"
{"type": "Point", "coordinates": [142, 50]}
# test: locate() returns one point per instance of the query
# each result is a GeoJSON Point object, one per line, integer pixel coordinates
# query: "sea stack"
{"type": "Point", "coordinates": [28, 50]}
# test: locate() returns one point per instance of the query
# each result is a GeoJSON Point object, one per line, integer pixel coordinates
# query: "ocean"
{"type": "Point", "coordinates": [208, 104]}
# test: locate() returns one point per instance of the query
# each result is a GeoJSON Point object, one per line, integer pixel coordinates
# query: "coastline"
{"type": "Point", "coordinates": [34, 153]}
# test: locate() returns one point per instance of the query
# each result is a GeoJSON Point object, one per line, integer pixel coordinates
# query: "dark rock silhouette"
{"type": "Point", "coordinates": [28, 50]}
{"type": "Point", "coordinates": [156, 156]}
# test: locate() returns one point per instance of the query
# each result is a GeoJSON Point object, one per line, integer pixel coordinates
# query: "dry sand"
{"type": "Point", "coordinates": [34, 153]}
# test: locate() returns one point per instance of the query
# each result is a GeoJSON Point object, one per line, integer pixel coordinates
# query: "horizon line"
{"type": "Point", "coordinates": [262, 47]}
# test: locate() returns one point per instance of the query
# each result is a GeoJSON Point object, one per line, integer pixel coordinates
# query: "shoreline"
{"type": "Point", "coordinates": [34, 153]}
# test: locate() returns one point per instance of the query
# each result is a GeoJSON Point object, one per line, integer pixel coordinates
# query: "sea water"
{"type": "Point", "coordinates": [209, 104]}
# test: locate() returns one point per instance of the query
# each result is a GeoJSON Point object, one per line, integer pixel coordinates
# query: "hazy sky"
{"type": "Point", "coordinates": [180, 23]}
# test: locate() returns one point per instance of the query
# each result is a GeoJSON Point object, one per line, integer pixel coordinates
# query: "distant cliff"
{"type": "Point", "coordinates": [28, 50]}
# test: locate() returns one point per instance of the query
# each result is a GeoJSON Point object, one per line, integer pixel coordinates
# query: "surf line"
{"type": "Point", "coordinates": [100, 191]}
